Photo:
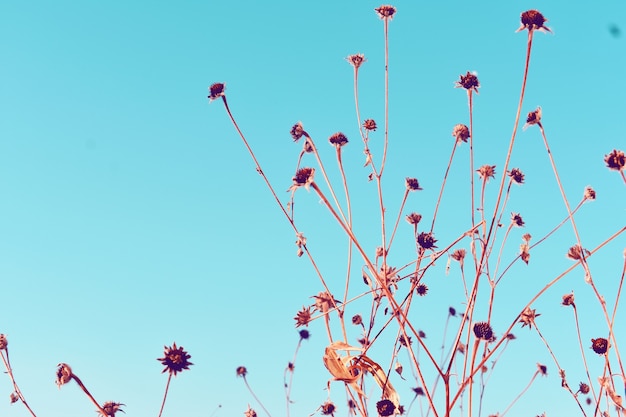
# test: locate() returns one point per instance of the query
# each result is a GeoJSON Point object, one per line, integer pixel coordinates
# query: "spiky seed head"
{"type": "Point", "coordinates": [516, 175]}
{"type": "Point", "coordinates": [412, 184]}
{"type": "Point", "coordinates": [469, 82]}
{"type": "Point", "coordinates": [216, 90]}
{"type": "Point", "coordinates": [303, 317]}
{"type": "Point", "coordinates": [461, 133]}
{"type": "Point", "coordinates": [297, 131]}
{"type": "Point", "coordinates": [486, 172]}
{"type": "Point", "coordinates": [241, 371]}
{"type": "Point", "coordinates": [356, 60]}
{"type": "Point", "coordinates": [385, 408]}
{"type": "Point", "coordinates": [338, 139]}
{"type": "Point", "coordinates": [328, 408]}
{"type": "Point", "coordinates": [386, 11]}
{"type": "Point", "coordinates": [600, 345]}
{"type": "Point", "coordinates": [426, 240]}
{"type": "Point", "coordinates": [568, 300]}
{"type": "Point", "coordinates": [533, 20]}
{"type": "Point", "coordinates": [64, 374]}
{"type": "Point", "coordinates": [482, 330]}
{"type": "Point", "coordinates": [616, 160]}
{"type": "Point", "coordinates": [369, 124]}
{"type": "Point", "coordinates": [414, 218]}
{"type": "Point", "coordinates": [175, 359]}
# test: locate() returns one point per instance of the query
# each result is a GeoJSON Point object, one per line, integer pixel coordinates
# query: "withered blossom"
{"type": "Point", "coordinates": [303, 178]}
{"type": "Point", "coordinates": [421, 289]}
{"type": "Point", "coordinates": [533, 118]}
{"type": "Point", "coordinates": [615, 160]}
{"type": "Point", "coordinates": [568, 300]}
{"type": "Point", "coordinates": [525, 252]}
{"type": "Point", "coordinates": [583, 388]}
{"type": "Point", "coordinates": [543, 370]}
{"type": "Point", "coordinates": [64, 374]}
{"type": "Point", "coordinates": [590, 193]}
{"type": "Point", "coordinates": [175, 359]}
{"type": "Point", "coordinates": [426, 240]}
{"type": "Point", "coordinates": [576, 253]}
{"type": "Point", "coordinates": [527, 318]}
{"type": "Point", "coordinates": [406, 342]}
{"type": "Point", "coordinates": [249, 412]}
{"type": "Point", "coordinates": [413, 218]}
{"type": "Point", "coordinates": [458, 255]}
{"type": "Point", "coordinates": [386, 11]}
{"type": "Point", "coordinates": [13, 398]}
{"type": "Point", "coordinates": [469, 82]}
{"type": "Point", "coordinates": [412, 184]}
{"type": "Point", "coordinates": [600, 345]}
{"type": "Point", "coordinates": [357, 320]}
{"type": "Point", "coordinates": [369, 124]}
{"type": "Point", "coordinates": [304, 334]}
{"type": "Point", "coordinates": [3, 342]}
{"type": "Point", "coordinates": [241, 371]}
{"type": "Point", "coordinates": [533, 20]}
{"type": "Point", "coordinates": [328, 408]}
{"type": "Point", "coordinates": [516, 175]}
{"type": "Point", "coordinates": [303, 317]}
{"type": "Point", "coordinates": [486, 171]}
{"type": "Point", "coordinates": [297, 131]}
{"type": "Point", "coordinates": [110, 408]}
{"type": "Point", "coordinates": [418, 391]}
{"type": "Point", "coordinates": [526, 237]}
{"type": "Point", "coordinates": [385, 408]}
{"type": "Point", "coordinates": [216, 91]}
{"type": "Point", "coordinates": [461, 133]}
{"type": "Point", "coordinates": [517, 220]}
{"type": "Point", "coordinates": [324, 302]}
{"type": "Point", "coordinates": [338, 139]}
{"type": "Point", "coordinates": [482, 330]}
{"type": "Point", "coordinates": [356, 60]}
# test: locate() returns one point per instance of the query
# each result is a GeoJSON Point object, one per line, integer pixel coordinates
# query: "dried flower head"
{"type": "Point", "coordinates": [533, 118]}
{"type": "Point", "coordinates": [14, 398]}
{"type": "Point", "coordinates": [3, 342]}
{"type": "Point", "coordinates": [517, 220]}
{"type": "Point", "coordinates": [357, 320]}
{"type": "Point", "coordinates": [369, 124]}
{"type": "Point", "coordinates": [421, 289]}
{"type": "Point", "coordinates": [482, 330]}
{"type": "Point", "coordinates": [175, 359]}
{"type": "Point", "coordinates": [338, 139]}
{"type": "Point", "coordinates": [526, 237]}
{"type": "Point", "coordinates": [324, 302]}
{"type": "Point", "coordinates": [543, 370]}
{"type": "Point", "coordinates": [216, 90]}
{"type": "Point", "coordinates": [524, 249]}
{"type": "Point", "coordinates": [600, 345]}
{"type": "Point", "coordinates": [356, 60]}
{"type": "Point", "coordinates": [385, 408]}
{"type": "Point", "coordinates": [461, 133]}
{"type": "Point", "coordinates": [568, 300]}
{"type": "Point", "coordinates": [510, 336]}
{"type": "Point", "coordinates": [297, 131]}
{"type": "Point", "coordinates": [406, 342]}
{"type": "Point", "coordinates": [583, 388]}
{"type": "Point", "coordinates": [458, 255]}
{"type": "Point", "coordinates": [249, 412]}
{"type": "Point", "coordinates": [304, 334]}
{"type": "Point", "coordinates": [486, 171]}
{"type": "Point", "coordinates": [110, 408]}
{"type": "Point", "coordinates": [328, 408]}
{"type": "Point", "coordinates": [452, 311]}
{"type": "Point", "coordinates": [616, 160]}
{"type": "Point", "coordinates": [516, 175]}
{"type": "Point", "coordinates": [241, 371]}
{"type": "Point", "coordinates": [303, 178]}
{"type": "Point", "coordinates": [590, 193]}
{"type": "Point", "coordinates": [527, 318]}
{"type": "Point", "coordinates": [413, 218]}
{"type": "Point", "coordinates": [577, 253]}
{"type": "Point", "coordinates": [469, 82]}
{"type": "Point", "coordinates": [412, 184]}
{"type": "Point", "coordinates": [386, 11]}
{"type": "Point", "coordinates": [421, 334]}
{"type": "Point", "coordinates": [303, 317]}
{"type": "Point", "coordinates": [426, 240]}
{"type": "Point", "coordinates": [533, 20]}
{"type": "Point", "coordinates": [64, 374]}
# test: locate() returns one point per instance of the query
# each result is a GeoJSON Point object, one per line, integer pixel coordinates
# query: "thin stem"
{"type": "Point", "coordinates": [521, 393]}
{"type": "Point", "coordinates": [86, 391]}
{"type": "Point", "coordinates": [443, 184]}
{"type": "Point", "coordinates": [245, 380]}
{"type": "Point", "coordinates": [167, 387]}
{"type": "Point", "coordinates": [17, 390]}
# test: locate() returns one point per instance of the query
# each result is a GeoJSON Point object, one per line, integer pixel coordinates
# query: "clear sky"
{"type": "Point", "coordinates": [132, 216]}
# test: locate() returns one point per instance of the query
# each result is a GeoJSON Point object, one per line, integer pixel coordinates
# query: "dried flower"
{"type": "Point", "coordinates": [568, 300]}
{"type": "Point", "coordinates": [413, 218]}
{"type": "Point", "coordinates": [517, 220]}
{"type": "Point", "coordinates": [216, 90]}
{"type": "Point", "coordinates": [577, 253]}
{"type": "Point", "coordinates": [14, 397]}
{"type": "Point", "coordinates": [412, 184]}
{"type": "Point", "coordinates": [583, 388]}
{"type": "Point", "coordinates": [385, 408]}
{"type": "Point", "coordinates": [525, 252]}
{"type": "Point", "coordinates": [369, 124]}
{"type": "Point", "coordinates": [482, 330]}
{"type": "Point", "coordinates": [241, 371]}
{"type": "Point", "coordinates": [486, 171]}
{"type": "Point", "coordinates": [533, 20]}
{"type": "Point", "coordinates": [533, 118]}
{"type": "Point", "coordinates": [110, 408]}
{"type": "Point", "coordinates": [458, 255]}
{"type": "Point", "coordinates": [510, 336]}
{"type": "Point", "coordinates": [304, 334]}
{"type": "Point", "coordinates": [386, 11]}
{"type": "Point", "coordinates": [357, 320]}
{"type": "Point", "coordinates": [527, 318]}
{"type": "Point", "coordinates": [64, 374]}
{"type": "Point", "coordinates": [338, 139]}
{"type": "Point", "coordinates": [421, 334]}
{"type": "Point", "coordinates": [3, 342]}
{"type": "Point", "coordinates": [616, 160]}
{"type": "Point", "coordinates": [324, 302]}
{"type": "Point", "coordinates": [426, 240]}
{"type": "Point", "coordinates": [418, 391]}
{"type": "Point", "coordinates": [452, 311]}
{"type": "Point", "coordinates": [469, 82]}
{"type": "Point", "coordinates": [175, 359]}
{"type": "Point", "coordinates": [590, 193]}
{"type": "Point", "coordinates": [303, 317]}
{"type": "Point", "coordinates": [526, 237]}
{"type": "Point", "coordinates": [249, 412]}
{"type": "Point", "coordinates": [406, 342]}
{"type": "Point", "coordinates": [461, 133]}
{"type": "Point", "coordinates": [328, 408]}
{"type": "Point", "coordinates": [600, 345]}
{"type": "Point", "coordinates": [356, 60]}
{"type": "Point", "coordinates": [543, 370]}
{"type": "Point", "coordinates": [303, 178]}
{"type": "Point", "coordinates": [297, 131]}
{"type": "Point", "coordinates": [516, 176]}
{"type": "Point", "coordinates": [421, 289]}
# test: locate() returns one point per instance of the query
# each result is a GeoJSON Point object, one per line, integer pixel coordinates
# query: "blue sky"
{"type": "Point", "coordinates": [132, 216]}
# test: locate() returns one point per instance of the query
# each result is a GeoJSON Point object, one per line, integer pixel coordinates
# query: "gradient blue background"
{"type": "Point", "coordinates": [131, 216]}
